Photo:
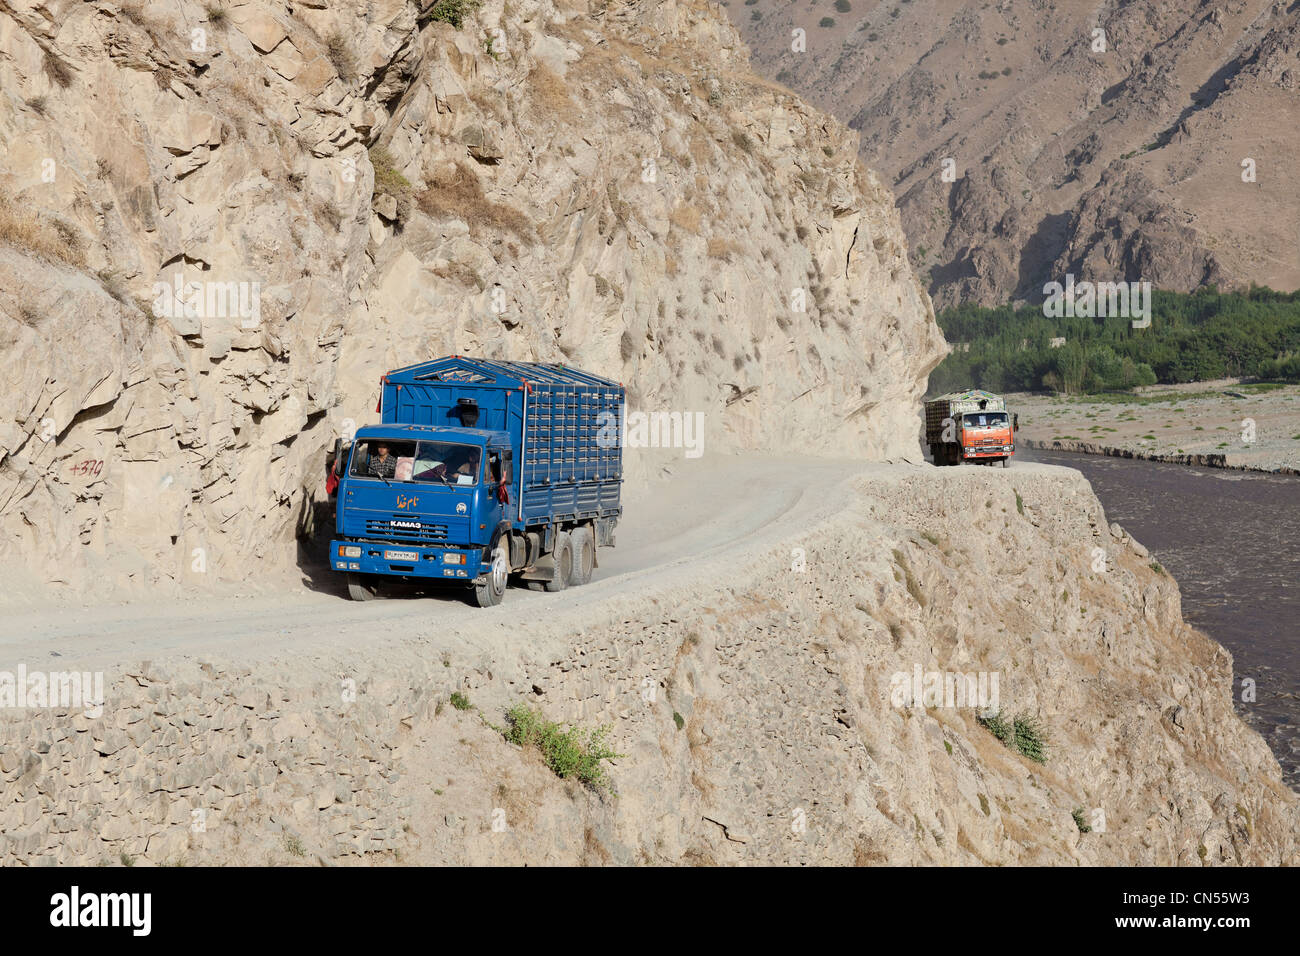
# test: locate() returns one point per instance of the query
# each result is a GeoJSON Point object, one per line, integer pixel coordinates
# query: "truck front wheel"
{"type": "Point", "coordinates": [562, 557]}
{"type": "Point", "coordinates": [359, 589]}
{"type": "Point", "coordinates": [492, 588]}
{"type": "Point", "coordinates": [584, 555]}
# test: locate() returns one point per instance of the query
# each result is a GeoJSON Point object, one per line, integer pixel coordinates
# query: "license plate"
{"type": "Point", "coordinates": [401, 555]}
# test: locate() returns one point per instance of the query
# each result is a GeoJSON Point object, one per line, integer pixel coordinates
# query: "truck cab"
{"type": "Point", "coordinates": [987, 434]}
{"type": "Point", "coordinates": [422, 502]}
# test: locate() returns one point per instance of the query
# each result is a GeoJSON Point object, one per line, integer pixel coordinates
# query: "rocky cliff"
{"type": "Point", "coordinates": [221, 223]}
{"type": "Point", "coordinates": [753, 696]}
{"type": "Point", "coordinates": [1136, 140]}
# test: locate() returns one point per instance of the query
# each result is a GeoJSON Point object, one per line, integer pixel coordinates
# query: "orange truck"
{"type": "Point", "coordinates": [970, 426]}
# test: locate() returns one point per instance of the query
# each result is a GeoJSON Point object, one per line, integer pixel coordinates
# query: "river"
{"type": "Point", "coordinates": [1232, 539]}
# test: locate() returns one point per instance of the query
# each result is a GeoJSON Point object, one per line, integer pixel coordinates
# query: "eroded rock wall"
{"type": "Point", "coordinates": [355, 188]}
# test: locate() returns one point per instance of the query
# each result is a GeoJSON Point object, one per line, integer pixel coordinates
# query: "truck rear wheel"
{"type": "Point", "coordinates": [492, 588]}
{"type": "Point", "coordinates": [562, 557]}
{"type": "Point", "coordinates": [359, 589]}
{"type": "Point", "coordinates": [584, 556]}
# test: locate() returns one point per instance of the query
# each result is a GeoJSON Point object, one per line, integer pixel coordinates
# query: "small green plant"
{"type": "Point", "coordinates": [1157, 568]}
{"type": "Point", "coordinates": [293, 845]}
{"type": "Point", "coordinates": [216, 15]}
{"type": "Point", "coordinates": [569, 752]}
{"type": "Point", "coordinates": [390, 181]}
{"type": "Point", "coordinates": [453, 12]}
{"type": "Point", "coordinates": [679, 720]}
{"type": "Point", "coordinates": [947, 745]}
{"type": "Point", "coordinates": [984, 804]}
{"type": "Point", "coordinates": [1020, 504]}
{"type": "Point", "coordinates": [826, 22]}
{"type": "Point", "coordinates": [998, 726]}
{"type": "Point", "coordinates": [1030, 739]}
{"type": "Point", "coordinates": [1079, 822]}
{"type": "Point", "coordinates": [126, 859]}
{"type": "Point", "coordinates": [460, 701]}
{"type": "Point", "coordinates": [1023, 734]}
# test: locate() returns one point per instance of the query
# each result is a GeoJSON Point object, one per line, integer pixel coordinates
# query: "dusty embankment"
{"type": "Point", "coordinates": [747, 680]}
{"type": "Point", "coordinates": [1222, 424]}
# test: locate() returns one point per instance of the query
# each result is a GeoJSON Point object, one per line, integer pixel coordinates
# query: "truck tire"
{"type": "Point", "coordinates": [584, 556]}
{"type": "Point", "coordinates": [562, 557]}
{"type": "Point", "coordinates": [359, 589]}
{"type": "Point", "coordinates": [493, 587]}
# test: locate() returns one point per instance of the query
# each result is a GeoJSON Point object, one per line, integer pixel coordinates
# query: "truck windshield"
{"type": "Point", "coordinates": [986, 420]}
{"type": "Point", "coordinates": [427, 462]}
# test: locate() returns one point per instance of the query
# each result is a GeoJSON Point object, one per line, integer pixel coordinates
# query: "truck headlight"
{"type": "Point", "coordinates": [349, 551]}
{"type": "Point", "coordinates": [454, 558]}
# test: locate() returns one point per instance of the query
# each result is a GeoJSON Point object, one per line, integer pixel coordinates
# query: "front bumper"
{"type": "Point", "coordinates": [988, 451]}
{"type": "Point", "coordinates": [405, 560]}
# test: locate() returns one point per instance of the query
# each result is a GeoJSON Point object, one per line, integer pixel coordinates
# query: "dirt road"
{"type": "Point", "coordinates": [719, 508]}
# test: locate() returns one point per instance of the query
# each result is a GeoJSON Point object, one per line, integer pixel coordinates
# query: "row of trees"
{"type": "Point", "coordinates": [1192, 337]}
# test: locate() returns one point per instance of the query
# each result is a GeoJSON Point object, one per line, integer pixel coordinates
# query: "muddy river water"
{"type": "Point", "coordinates": [1232, 539]}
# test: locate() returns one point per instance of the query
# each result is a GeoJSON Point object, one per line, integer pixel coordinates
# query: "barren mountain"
{"type": "Point", "coordinates": [1141, 140]}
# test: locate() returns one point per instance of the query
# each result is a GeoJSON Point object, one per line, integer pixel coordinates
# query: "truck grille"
{"type": "Point", "coordinates": [425, 534]}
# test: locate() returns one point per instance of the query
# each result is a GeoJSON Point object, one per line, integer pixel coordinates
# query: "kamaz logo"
{"type": "Point", "coordinates": [460, 508]}
{"type": "Point", "coordinates": [414, 525]}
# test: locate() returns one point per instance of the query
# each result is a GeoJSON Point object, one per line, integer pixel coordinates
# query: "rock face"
{"type": "Point", "coordinates": [1134, 141]}
{"type": "Point", "coordinates": [220, 225]}
{"type": "Point", "coordinates": [757, 722]}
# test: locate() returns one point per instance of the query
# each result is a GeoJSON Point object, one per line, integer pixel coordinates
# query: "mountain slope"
{"type": "Point", "coordinates": [1117, 164]}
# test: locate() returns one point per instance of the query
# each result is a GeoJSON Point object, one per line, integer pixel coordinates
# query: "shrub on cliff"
{"type": "Point", "coordinates": [451, 11]}
{"type": "Point", "coordinates": [571, 752]}
{"type": "Point", "coordinates": [1022, 733]}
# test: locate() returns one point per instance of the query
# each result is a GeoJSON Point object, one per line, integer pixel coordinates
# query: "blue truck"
{"type": "Point", "coordinates": [480, 471]}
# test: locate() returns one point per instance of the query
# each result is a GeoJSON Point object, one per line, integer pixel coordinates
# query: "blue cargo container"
{"type": "Point", "coordinates": [481, 470]}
